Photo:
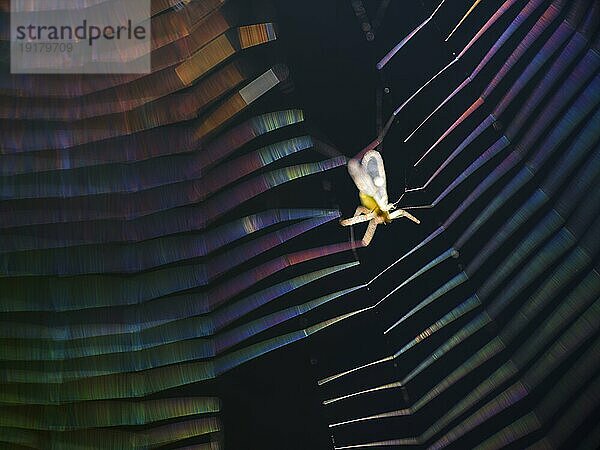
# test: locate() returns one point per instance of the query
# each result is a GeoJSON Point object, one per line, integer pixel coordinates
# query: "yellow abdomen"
{"type": "Point", "coordinates": [368, 202]}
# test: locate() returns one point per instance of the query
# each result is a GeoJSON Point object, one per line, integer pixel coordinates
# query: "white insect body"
{"type": "Point", "coordinates": [369, 177]}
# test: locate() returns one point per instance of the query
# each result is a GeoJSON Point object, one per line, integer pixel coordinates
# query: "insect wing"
{"type": "Point", "coordinates": [361, 178]}
{"type": "Point", "coordinates": [372, 164]}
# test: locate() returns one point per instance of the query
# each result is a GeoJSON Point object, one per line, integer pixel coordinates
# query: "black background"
{"type": "Point", "coordinates": [274, 402]}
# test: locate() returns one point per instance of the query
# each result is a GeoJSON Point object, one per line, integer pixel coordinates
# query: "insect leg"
{"type": "Point", "coordinates": [366, 240]}
{"type": "Point", "coordinates": [402, 213]}
{"type": "Point", "coordinates": [361, 210]}
{"type": "Point", "coordinates": [357, 219]}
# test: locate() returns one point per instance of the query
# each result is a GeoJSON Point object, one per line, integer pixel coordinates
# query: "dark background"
{"type": "Point", "coordinates": [274, 402]}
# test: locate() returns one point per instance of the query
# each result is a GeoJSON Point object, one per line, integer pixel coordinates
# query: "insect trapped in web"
{"type": "Point", "coordinates": [369, 177]}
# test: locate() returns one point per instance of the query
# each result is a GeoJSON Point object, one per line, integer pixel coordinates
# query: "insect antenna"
{"type": "Point", "coordinates": [408, 208]}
